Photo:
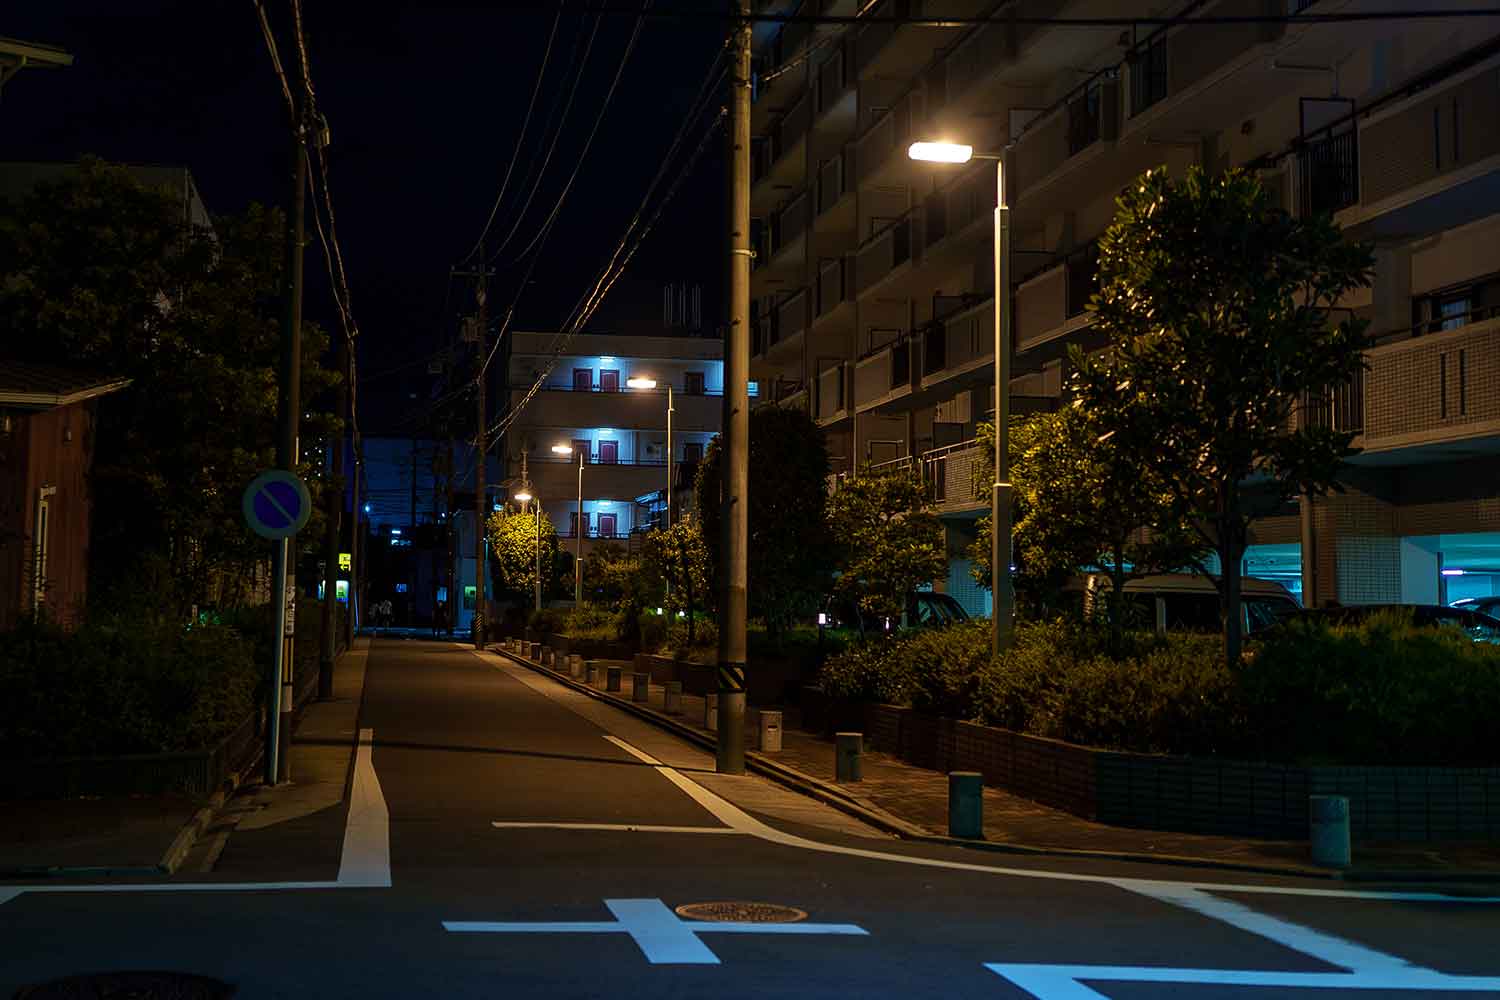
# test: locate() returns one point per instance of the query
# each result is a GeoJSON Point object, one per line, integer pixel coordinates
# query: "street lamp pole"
{"type": "Point", "coordinates": [578, 540]}
{"type": "Point", "coordinates": [670, 456]}
{"type": "Point", "coordinates": [1002, 586]}
{"type": "Point", "coordinates": [538, 503]}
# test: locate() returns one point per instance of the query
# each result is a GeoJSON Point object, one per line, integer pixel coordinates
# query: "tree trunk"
{"type": "Point", "coordinates": [1117, 602]}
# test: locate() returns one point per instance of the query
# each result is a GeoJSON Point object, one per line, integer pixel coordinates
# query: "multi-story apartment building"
{"type": "Point", "coordinates": [873, 290]}
{"type": "Point", "coordinates": [587, 407]}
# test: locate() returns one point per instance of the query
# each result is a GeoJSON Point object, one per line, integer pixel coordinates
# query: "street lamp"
{"type": "Point", "coordinates": [644, 382]}
{"type": "Point", "coordinates": [567, 449]}
{"type": "Point", "coordinates": [1001, 584]}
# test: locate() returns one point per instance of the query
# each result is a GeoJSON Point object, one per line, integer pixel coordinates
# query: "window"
{"type": "Point", "coordinates": [40, 546]}
{"type": "Point", "coordinates": [1148, 73]}
{"type": "Point", "coordinates": [609, 380]}
{"type": "Point", "coordinates": [693, 383]}
{"type": "Point", "coordinates": [583, 379]}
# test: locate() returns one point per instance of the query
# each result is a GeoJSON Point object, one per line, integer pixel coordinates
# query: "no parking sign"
{"type": "Point", "coordinates": [276, 504]}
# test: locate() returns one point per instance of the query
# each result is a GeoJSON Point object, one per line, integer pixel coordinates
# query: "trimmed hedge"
{"type": "Point", "coordinates": [1379, 692]}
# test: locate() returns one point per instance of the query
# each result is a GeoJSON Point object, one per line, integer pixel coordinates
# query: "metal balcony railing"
{"type": "Point", "coordinates": [1340, 409]}
{"type": "Point", "coordinates": [1328, 166]}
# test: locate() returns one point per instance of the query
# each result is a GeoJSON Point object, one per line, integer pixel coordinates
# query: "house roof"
{"type": "Point", "coordinates": [42, 387]}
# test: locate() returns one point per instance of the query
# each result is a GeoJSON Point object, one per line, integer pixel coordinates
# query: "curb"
{"type": "Point", "coordinates": [835, 796]}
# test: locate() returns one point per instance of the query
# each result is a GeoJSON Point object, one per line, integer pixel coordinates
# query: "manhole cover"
{"type": "Point", "coordinates": [130, 986]}
{"type": "Point", "coordinates": [752, 913]}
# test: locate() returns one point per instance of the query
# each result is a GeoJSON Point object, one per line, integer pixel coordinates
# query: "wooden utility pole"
{"type": "Point", "coordinates": [480, 274]}
{"type": "Point", "coordinates": [333, 499]}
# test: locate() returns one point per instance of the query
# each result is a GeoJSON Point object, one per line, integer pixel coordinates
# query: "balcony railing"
{"type": "Point", "coordinates": [832, 80]}
{"type": "Point", "coordinates": [622, 390]}
{"type": "Point", "coordinates": [833, 181]}
{"type": "Point", "coordinates": [883, 253]}
{"type": "Point", "coordinates": [1340, 409]}
{"type": "Point", "coordinates": [793, 314]}
{"type": "Point", "coordinates": [830, 399]}
{"type": "Point", "coordinates": [834, 284]}
{"type": "Point", "coordinates": [791, 222]}
{"type": "Point", "coordinates": [1328, 171]}
{"type": "Point", "coordinates": [886, 137]}
{"type": "Point", "coordinates": [957, 341]}
{"type": "Point", "coordinates": [952, 475]}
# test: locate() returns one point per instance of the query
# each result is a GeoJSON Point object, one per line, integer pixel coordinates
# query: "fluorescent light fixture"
{"type": "Point", "coordinates": [1452, 572]}
{"type": "Point", "coordinates": [604, 503]}
{"type": "Point", "coordinates": [940, 152]}
{"type": "Point", "coordinates": [523, 496]}
{"type": "Point", "coordinates": [822, 618]}
{"type": "Point", "coordinates": [395, 531]}
{"type": "Point", "coordinates": [641, 382]}
{"type": "Point", "coordinates": [606, 361]}
{"type": "Point", "coordinates": [562, 449]}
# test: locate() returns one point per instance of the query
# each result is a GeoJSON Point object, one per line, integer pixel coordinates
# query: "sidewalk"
{"type": "Point", "coordinates": [914, 801]}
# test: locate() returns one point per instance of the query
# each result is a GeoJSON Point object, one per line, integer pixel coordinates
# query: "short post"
{"type": "Point", "coordinates": [769, 732]}
{"type": "Point", "coordinates": [966, 804]}
{"type": "Point", "coordinates": [612, 678]}
{"type": "Point", "coordinates": [535, 651]}
{"type": "Point", "coordinates": [711, 712]}
{"type": "Point", "coordinates": [590, 673]}
{"type": "Point", "coordinates": [846, 763]}
{"type": "Point", "coordinates": [546, 656]}
{"type": "Point", "coordinates": [575, 665]}
{"type": "Point", "coordinates": [640, 687]}
{"type": "Point", "coordinates": [672, 700]}
{"type": "Point", "coordinates": [1328, 817]}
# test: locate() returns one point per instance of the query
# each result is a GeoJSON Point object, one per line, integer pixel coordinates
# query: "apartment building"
{"type": "Point", "coordinates": [873, 290]}
{"type": "Point", "coordinates": [606, 403]}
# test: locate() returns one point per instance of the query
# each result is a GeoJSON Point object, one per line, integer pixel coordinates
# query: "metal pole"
{"type": "Point", "coordinates": [730, 758]}
{"type": "Point", "coordinates": [289, 411]}
{"type": "Point", "coordinates": [538, 502]}
{"type": "Point", "coordinates": [670, 456]}
{"type": "Point", "coordinates": [578, 540]}
{"type": "Point", "coordinates": [334, 502]}
{"type": "Point", "coordinates": [1001, 586]}
{"type": "Point", "coordinates": [352, 610]}
{"type": "Point", "coordinates": [482, 444]}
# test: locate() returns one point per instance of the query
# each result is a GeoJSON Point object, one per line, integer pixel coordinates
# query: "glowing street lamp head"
{"type": "Point", "coordinates": [524, 496]}
{"type": "Point", "coordinates": [562, 449]}
{"type": "Point", "coordinates": [641, 382]}
{"type": "Point", "coordinates": [940, 152]}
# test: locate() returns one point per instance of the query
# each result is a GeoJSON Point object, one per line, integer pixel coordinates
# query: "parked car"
{"type": "Point", "coordinates": [1182, 602]}
{"type": "Point", "coordinates": [1479, 627]}
{"type": "Point", "coordinates": [1484, 605]}
{"type": "Point", "coordinates": [924, 609]}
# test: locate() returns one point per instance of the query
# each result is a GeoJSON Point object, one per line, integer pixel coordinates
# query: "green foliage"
{"type": "Point", "coordinates": [1218, 307]}
{"type": "Point", "coordinates": [679, 557]}
{"type": "Point", "coordinates": [512, 536]}
{"type": "Point", "coordinates": [616, 579]}
{"type": "Point", "coordinates": [790, 557]}
{"type": "Point", "coordinates": [887, 539]}
{"type": "Point", "coordinates": [120, 685]}
{"type": "Point", "coordinates": [103, 274]}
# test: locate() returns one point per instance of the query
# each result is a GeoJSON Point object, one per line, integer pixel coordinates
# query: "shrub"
{"type": "Point", "coordinates": [550, 620]}
{"type": "Point", "coordinates": [122, 685]}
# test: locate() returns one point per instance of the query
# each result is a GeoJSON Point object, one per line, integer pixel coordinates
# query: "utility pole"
{"type": "Point", "coordinates": [480, 274]}
{"type": "Point", "coordinates": [333, 513]}
{"type": "Point", "coordinates": [289, 413]}
{"type": "Point", "coordinates": [734, 488]}
{"type": "Point", "coordinates": [356, 604]}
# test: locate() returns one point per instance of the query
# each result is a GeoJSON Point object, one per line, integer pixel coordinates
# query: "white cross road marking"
{"type": "Point", "coordinates": [665, 938]}
{"type": "Point", "coordinates": [1065, 982]}
{"type": "Point", "coordinates": [615, 827]}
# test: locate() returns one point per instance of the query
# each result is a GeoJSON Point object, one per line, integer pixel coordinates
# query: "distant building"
{"type": "Point", "coordinates": [46, 450]}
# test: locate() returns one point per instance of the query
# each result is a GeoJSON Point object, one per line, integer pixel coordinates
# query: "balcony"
{"type": "Point", "coordinates": [953, 479]}
{"type": "Point", "coordinates": [785, 242]}
{"type": "Point", "coordinates": [793, 314]}
{"type": "Point", "coordinates": [1078, 131]}
{"type": "Point", "coordinates": [836, 104]}
{"type": "Point", "coordinates": [1439, 392]}
{"type": "Point", "coordinates": [556, 481]}
{"type": "Point", "coordinates": [960, 345]}
{"type": "Point", "coordinates": [883, 377]}
{"type": "Point", "coordinates": [835, 204]}
{"type": "Point", "coordinates": [1328, 171]}
{"type": "Point", "coordinates": [890, 49]}
{"type": "Point", "coordinates": [776, 158]}
{"type": "Point", "coordinates": [882, 253]}
{"type": "Point", "coordinates": [835, 286]}
{"type": "Point", "coordinates": [627, 409]}
{"type": "Point", "coordinates": [830, 400]}
{"type": "Point", "coordinates": [1000, 63]}
{"type": "Point", "coordinates": [1053, 304]}
{"type": "Point", "coordinates": [880, 158]}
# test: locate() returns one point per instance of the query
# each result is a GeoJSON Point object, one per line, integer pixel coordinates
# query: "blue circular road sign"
{"type": "Point", "coordinates": [276, 504]}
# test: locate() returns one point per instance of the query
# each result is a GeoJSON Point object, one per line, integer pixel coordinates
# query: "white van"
{"type": "Point", "coordinates": [1183, 602]}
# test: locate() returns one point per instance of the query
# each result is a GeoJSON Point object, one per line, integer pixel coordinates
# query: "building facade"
{"type": "Point", "coordinates": [588, 411]}
{"type": "Point", "coordinates": [873, 291]}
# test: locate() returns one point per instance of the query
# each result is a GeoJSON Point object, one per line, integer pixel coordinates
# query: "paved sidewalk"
{"type": "Point", "coordinates": [918, 799]}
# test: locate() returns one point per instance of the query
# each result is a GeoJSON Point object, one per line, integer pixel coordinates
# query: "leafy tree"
{"type": "Point", "coordinates": [512, 535]}
{"type": "Point", "coordinates": [1218, 308]}
{"type": "Point", "coordinates": [790, 556]}
{"type": "Point", "coordinates": [887, 539]}
{"type": "Point", "coordinates": [104, 274]}
{"type": "Point", "coordinates": [678, 556]}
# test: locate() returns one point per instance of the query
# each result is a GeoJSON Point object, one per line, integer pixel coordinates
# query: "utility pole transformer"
{"type": "Point", "coordinates": [734, 487]}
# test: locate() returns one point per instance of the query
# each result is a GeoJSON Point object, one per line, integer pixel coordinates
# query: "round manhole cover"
{"type": "Point", "coordinates": [752, 913]}
{"type": "Point", "coordinates": [130, 986]}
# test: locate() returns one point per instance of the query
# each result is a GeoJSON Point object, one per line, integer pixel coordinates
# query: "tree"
{"type": "Point", "coordinates": [104, 274]}
{"type": "Point", "coordinates": [790, 557]}
{"type": "Point", "coordinates": [678, 556]}
{"type": "Point", "coordinates": [887, 539]}
{"type": "Point", "coordinates": [1218, 308]}
{"type": "Point", "coordinates": [512, 535]}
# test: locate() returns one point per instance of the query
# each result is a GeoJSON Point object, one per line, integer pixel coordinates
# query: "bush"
{"type": "Point", "coordinates": [550, 620]}
{"type": "Point", "coordinates": [122, 685]}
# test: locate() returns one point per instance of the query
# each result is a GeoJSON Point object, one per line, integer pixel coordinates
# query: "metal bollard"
{"type": "Point", "coordinates": [846, 761]}
{"type": "Point", "coordinates": [769, 732]}
{"type": "Point", "coordinates": [1328, 817]}
{"type": "Point", "coordinates": [711, 712]}
{"type": "Point", "coordinates": [966, 804]}
{"type": "Point", "coordinates": [612, 678]}
{"type": "Point", "coordinates": [640, 687]}
{"type": "Point", "coordinates": [590, 673]}
{"type": "Point", "coordinates": [672, 700]}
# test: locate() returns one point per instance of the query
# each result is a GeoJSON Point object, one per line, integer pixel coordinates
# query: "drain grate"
{"type": "Point", "coordinates": [750, 913]}
{"type": "Point", "coordinates": [130, 986]}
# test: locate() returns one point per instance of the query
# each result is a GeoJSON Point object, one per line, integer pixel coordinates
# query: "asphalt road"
{"type": "Point", "coordinates": [505, 836]}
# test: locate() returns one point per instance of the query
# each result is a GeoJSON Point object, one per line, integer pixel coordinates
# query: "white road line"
{"type": "Point", "coordinates": [366, 859]}
{"type": "Point", "coordinates": [615, 827]}
{"type": "Point", "coordinates": [1065, 982]}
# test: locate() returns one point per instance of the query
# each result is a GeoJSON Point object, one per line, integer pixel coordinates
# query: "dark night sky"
{"type": "Point", "coordinates": [425, 106]}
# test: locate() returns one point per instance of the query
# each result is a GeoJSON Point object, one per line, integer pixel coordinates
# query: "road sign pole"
{"type": "Point", "coordinates": [278, 655]}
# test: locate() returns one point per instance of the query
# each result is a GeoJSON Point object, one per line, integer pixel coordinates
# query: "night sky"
{"type": "Point", "coordinates": [425, 106]}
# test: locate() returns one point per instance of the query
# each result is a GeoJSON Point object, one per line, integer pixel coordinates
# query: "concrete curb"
{"type": "Point", "coordinates": [835, 796]}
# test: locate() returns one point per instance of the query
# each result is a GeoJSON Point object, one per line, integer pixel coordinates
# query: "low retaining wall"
{"type": "Point", "coordinates": [1186, 794]}
{"type": "Point", "coordinates": [771, 684]}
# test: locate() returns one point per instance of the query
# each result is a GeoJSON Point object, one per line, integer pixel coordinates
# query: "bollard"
{"type": "Point", "coordinates": [672, 700]}
{"type": "Point", "coordinates": [640, 687]}
{"type": "Point", "coordinates": [575, 665]}
{"type": "Point", "coordinates": [590, 673]}
{"type": "Point", "coordinates": [846, 761]}
{"type": "Point", "coordinates": [966, 804]}
{"type": "Point", "coordinates": [612, 678]}
{"type": "Point", "coordinates": [1328, 816]}
{"type": "Point", "coordinates": [546, 656]}
{"type": "Point", "coordinates": [711, 712]}
{"type": "Point", "coordinates": [534, 651]}
{"type": "Point", "coordinates": [769, 732]}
